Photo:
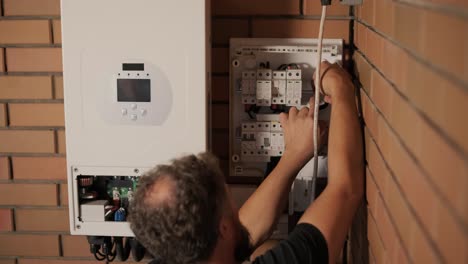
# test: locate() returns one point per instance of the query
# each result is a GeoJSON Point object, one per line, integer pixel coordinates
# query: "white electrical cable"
{"type": "Point", "coordinates": [318, 84]}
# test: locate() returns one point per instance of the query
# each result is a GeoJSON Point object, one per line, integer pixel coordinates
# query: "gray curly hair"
{"type": "Point", "coordinates": [177, 208]}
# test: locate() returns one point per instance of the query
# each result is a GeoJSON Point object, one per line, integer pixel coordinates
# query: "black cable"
{"type": "Point", "coordinates": [99, 258]}
{"type": "Point", "coordinates": [111, 258]}
{"type": "Point", "coordinates": [122, 250]}
{"type": "Point", "coordinates": [281, 67]}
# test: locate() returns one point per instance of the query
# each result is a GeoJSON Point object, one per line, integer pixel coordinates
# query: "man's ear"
{"type": "Point", "coordinates": [226, 228]}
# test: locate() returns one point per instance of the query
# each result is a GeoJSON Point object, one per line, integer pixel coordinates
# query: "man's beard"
{"type": "Point", "coordinates": [243, 247]}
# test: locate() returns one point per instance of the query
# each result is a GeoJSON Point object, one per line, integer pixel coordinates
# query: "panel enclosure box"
{"type": "Point", "coordinates": [269, 76]}
{"type": "Point", "coordinates": [136, 94]}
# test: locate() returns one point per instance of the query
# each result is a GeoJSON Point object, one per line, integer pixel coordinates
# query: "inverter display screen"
{"type": "Point", "coordinates": [134, 90]}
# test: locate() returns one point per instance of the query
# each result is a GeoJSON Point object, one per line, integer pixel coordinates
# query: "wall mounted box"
{"type": "Point", "coordinates": [136, 80]}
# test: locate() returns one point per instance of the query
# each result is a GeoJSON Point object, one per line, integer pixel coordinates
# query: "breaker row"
{"type": "Point", "coordinates": [261, 140]}
{"type": "Point", "coordinates": [265, 87]}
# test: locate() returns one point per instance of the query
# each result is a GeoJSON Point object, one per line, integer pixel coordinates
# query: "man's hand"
{"type": "Point", "coordinates": [298, 133]}
{"type": "Point", "coordinates": [336, 82]}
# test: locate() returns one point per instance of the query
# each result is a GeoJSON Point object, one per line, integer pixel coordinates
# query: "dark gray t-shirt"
{"type": "Point", "coordinates": [304, 245]}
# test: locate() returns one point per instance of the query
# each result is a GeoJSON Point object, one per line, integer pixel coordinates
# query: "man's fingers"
{"type": "Point", "coordinates": [311, 106]}
{"type": "Point", "coordinates": [292, 112]}
{"type": "Point", "coordinates": [323, 67]}
{"type": "Point", "coordinates": [304, 111]}
{"type": "Point", "coordinates": [283, 118]}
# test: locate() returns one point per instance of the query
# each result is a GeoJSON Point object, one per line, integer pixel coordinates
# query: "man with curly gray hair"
{"type": "Point", "coordinates": [183, 212]}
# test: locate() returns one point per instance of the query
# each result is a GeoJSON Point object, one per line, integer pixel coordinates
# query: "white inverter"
{"type": "Point", "coordinates": [136, 84]}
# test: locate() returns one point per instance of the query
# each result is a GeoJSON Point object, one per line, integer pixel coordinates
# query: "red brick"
{"type": "Point", "coordinates": [75, 246]}
{"type": "Point", "coordinates": [2, 60]}
{"type": "Point", "coordinates": [223, 29]}
{"type": "Point", "coordinates": [29, 245]}
{"type": "Point", "coordinates": [399, 210]}
{"type": "Point", "coordinates": [407, 123]}
{"type": "Point", "coordinates": [3, 115]}
{"type": "Point", "coordinates": [453, 3]}
{"type": "Point", "coordinates": [34, 59]}
{"type": "Point", "coordinates": [57, 261]}
{"type": "Point", "coordinates": [414, 185]}
{"type": "Point", "coordinates": [360, 37]}
{"type": "Point", "coordinates": [298, 28]}
{"type": "Point", "coordinates": [57, 30]}
{"type": "Point", "coordinates": [449, 38]}
{"type": "Point", "coordinates": [441, 100]}
{"type": "Point", "coordinates": [241, 193]}
{"type": "Point", "coordinates": [220, 116]}
{"type": "Point", "coordinates": [385, 16]}
{"type": "Point", "coordinates": [37, 114]}
{"type": "Point", "coordinates": [58, 84]}
{"type": "Point", "coordinates": [26, 141]}
{"type": "Point", "coordinates": [364, 70]}
{"type": "Point", "coordinates": [408, 26]}
{"type": "Point", "coordinates": [4, 168]}
{"type": "Point", "coordinates": [40, 168]}
{"type": "Point", "coordinates": [24, 32]}
{"type": "Point", "coordinates": [420, 250]}
{"type": "Point", "coordinates": [449, 237]}
{"type": "Point", "coordinates": [255, 7]}
{"type": "Point", "coordinates": [400, 255]}
{"type": "Point", "coordinates": [446, 168]}
{"type": "Point", "coordinates": [389, 55]}
{"type": "Point", "coordinates": [400, 70]}
{"type": "Point", "coordinates": [8, 261]}
{"type": "Point", "coordinates": [377, 167]}
{"type": "Point", "coordinates": [66, 261]}
{"type": "Point", "coordinates": [367, 11]}
{"type": "Point", "coordinates": [6, 220]}
{"type": "Point", "coordinates": [371, 256]}
{"type": "Point", "coordinates": [313, 7]}
{"type": "Point", "coordinates": [220, 88]}
{"type": "Point", "coordinates": [451, 112]}
{"type": "Point", "coordinates": [25, 87]}
{"type": "Point", "coordinates": [370, 115]}
{"type": "Point", "coordinates": [62, 149]}
{"type": "Point", "coordinates": [220, 144]}
{"type": "Point", "coordinates": [375, 242]}
{"type": "Point", "coordinates": [374, 48]}
{"type": "Point", "coordinates": [382, 94]}
{"type": "Point", "coordinates": [63, 194]}
{"type": "Point", "coordinates": [220, 60]}
{"type": "Point", "coordinates": [28, 194]}
{"type": "Point", "coordinates": [387, 230]}
{"type": "Point", "coordinates": [372, 192]}
{"type": "Point", "coordinates": [31, 7]}
{"type": "Point", "coordinates": [42, 220]}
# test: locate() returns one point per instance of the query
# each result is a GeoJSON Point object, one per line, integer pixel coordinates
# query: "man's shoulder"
{"type": "Point", "coordinates": [305, 244]}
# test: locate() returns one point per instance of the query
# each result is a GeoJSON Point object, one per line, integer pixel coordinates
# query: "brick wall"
{"type": "Point", "coordinates": [416, 196]}
{"type": "Point", "coordinates": [413, 67]}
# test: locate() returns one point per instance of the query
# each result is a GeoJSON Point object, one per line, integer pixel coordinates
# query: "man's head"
{"type": "Point", "coordinates": [182, 212]}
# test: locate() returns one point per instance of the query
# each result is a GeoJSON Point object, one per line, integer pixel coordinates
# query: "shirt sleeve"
{"type": "Point", "coordinates": [304, 245]}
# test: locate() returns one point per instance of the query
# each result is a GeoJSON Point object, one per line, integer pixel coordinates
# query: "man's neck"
{"type": "Point", "coordinates": [222, 254]}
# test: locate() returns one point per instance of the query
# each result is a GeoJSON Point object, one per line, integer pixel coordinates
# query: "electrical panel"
{"type": "Point", "coordinates": [136, 95]}
{"type": "Point", "coordinates": [267, 77]}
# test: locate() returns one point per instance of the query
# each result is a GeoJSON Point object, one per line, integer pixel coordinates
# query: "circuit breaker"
{"type": "Point", "coordinates": [136, 95]}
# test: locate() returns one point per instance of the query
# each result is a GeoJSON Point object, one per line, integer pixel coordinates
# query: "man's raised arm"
{"type": "Point", "coordinates": [262, 210]}
{"type": "Point", "coordinates": [333, 211]}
